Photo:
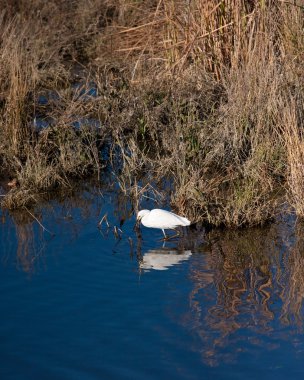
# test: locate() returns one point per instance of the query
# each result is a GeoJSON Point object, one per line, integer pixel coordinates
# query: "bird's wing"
{"type": "Point", "coordinates": [165, 219]}
{"type": "Point", "coordinates": [184, 221]}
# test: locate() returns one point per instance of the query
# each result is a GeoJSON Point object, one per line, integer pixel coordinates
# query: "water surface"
{"type": "Point", "coordinates": [84, 304]}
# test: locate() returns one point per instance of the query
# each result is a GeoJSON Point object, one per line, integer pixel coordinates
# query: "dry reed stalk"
{"type": "Point", "coordinates": [212, 34]}
{"type": "Point", "coordinates": [294, 142]}
{"type": "Point", "coordinates": [17, 80]}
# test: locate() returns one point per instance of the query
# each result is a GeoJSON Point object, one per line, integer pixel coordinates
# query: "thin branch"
{"type": "Point", "coordinates": [40, 224]}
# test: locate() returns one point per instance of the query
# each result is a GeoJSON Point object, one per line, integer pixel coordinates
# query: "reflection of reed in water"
{"type": "Point", "coordinates": [293, 290]}
{"type": "Point", "coordinates": [29, 234]}
{"type": "Point", "coordinates": [30, 241]}
{"type": "Point", "coordinates": [234, 288]}
{"type": "Point", "coordinates": [162, 259]}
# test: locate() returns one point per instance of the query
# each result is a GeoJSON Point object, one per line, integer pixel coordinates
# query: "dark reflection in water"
{"type": "Point", "coordinates": [248, 278]}
{"type": "Point", "coordinates": [228, 293]}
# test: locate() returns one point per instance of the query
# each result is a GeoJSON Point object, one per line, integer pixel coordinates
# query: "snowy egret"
{"type": "Point", "coordinates": [162, 219]}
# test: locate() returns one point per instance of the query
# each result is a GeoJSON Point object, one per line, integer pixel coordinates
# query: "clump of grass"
{"type": "Point", "coordinates": [227, 167]}
{"type": "Point", "coordinates": [38, 58]}
{"type": "Point", "coordinates": [60, 155]}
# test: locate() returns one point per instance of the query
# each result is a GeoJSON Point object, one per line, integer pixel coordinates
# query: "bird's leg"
{"type": "Point", "coordinates": [166, 237]}
{"type": "Point", "coordinates": [164, 234]}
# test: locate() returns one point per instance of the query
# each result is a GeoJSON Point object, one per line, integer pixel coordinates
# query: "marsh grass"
{"type": "Point", "coordinates": [204, 96]}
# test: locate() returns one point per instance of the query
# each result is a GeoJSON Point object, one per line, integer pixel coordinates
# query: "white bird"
{"type": "Point", "coordinates": [162, 219]}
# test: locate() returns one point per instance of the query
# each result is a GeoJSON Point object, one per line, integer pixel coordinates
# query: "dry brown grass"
{"type": "Point", "coordinates": [39, 58]}
{"type": "Point", "coordinates": [207, 95]}
{"type": "Point", "coordinates": [294, 142]}
{"type": "Point", "coordinates": [221, 140]}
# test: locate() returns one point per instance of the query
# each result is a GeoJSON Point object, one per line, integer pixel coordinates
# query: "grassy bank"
{"type": "Point", "coordinates": [207, 95]}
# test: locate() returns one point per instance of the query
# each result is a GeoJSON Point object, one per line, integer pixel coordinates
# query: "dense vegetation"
{"type": "Point", "coordinates": [207, 94]}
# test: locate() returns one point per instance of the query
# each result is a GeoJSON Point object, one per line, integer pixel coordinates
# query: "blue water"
{"type": "Point", "coordinates": [84, 304]}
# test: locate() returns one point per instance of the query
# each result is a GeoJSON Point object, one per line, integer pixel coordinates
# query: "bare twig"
{"type": "Point", "coordinates": [104, 219]}
{"type": "Point", "coordinates": [40, 224]}
{"type": "Point", "coordinates": [117, 232]}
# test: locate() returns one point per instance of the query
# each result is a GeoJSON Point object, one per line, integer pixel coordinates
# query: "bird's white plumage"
{"type": "Point", "coordinates": [162, 219]}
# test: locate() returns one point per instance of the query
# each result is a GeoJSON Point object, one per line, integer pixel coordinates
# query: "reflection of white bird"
{"type": "Point", "coordinates": [157, 259]}
{"type": "Point", "coordinates": [161, 219]}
